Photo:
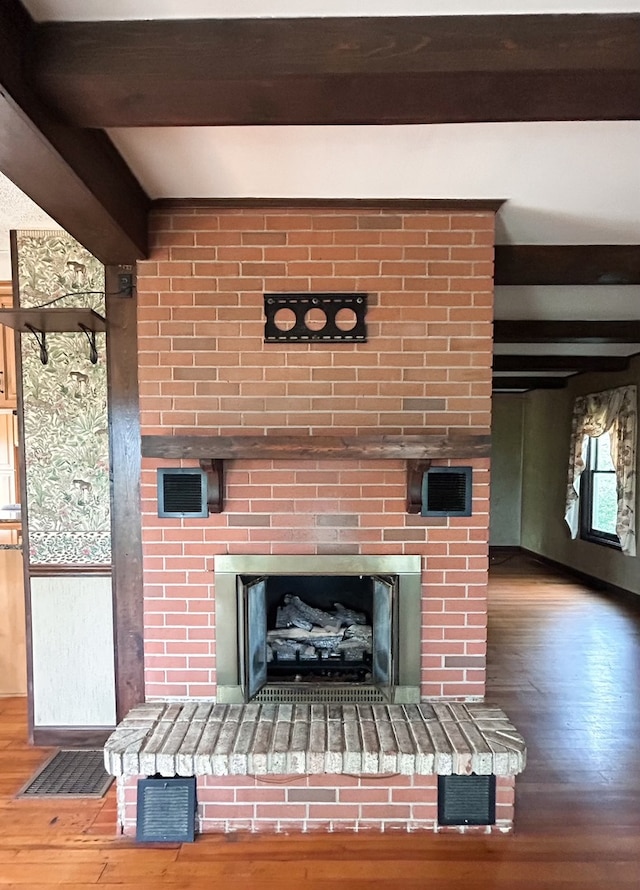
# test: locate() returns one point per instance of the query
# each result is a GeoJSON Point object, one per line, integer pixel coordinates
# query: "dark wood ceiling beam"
{"type": "Point", "coordinates": [75, 175]}
{"type": "Point", "coordinates": [577, 363]}
{"type": "Point", "coordinates": [529, 382]}
{"type": "Point", "coordinates": [585, 264]}
{"type": "Point", "coordinates": [430, 69]}
{"type": "Point", "coordinates": [527, 331]}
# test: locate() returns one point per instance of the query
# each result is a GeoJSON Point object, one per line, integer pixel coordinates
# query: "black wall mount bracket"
{"type": "Point", "coordinates": [315, 318]}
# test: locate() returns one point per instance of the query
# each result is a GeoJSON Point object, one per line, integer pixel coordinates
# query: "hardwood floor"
{"type": "Point", "coordinates": [564, 662]}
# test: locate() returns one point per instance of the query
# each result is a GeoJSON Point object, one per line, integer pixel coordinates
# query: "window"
{"type": "Point", "coordinates": [598, 493]}
{"type": "Point", "coordinates": [610, 419]}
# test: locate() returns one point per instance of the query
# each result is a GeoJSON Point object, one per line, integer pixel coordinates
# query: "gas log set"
{"type": "Point", "coordinates": [314, 638]}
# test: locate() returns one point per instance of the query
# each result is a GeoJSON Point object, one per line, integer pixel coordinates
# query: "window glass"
{"type": "Point", "coordinates": [598, 493]}
{"type": "Point", "coordinates": [603, 452]}
{"type": "Point", "coordinates": [605, 503]}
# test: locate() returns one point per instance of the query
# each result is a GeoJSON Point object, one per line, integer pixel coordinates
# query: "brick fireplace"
{"type": "Point", "coordinates": [205, 370]}
{"type": "Point", "coordinates": [385, 590]}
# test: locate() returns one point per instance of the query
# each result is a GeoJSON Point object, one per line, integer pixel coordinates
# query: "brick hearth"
{"type": "Point", "coordinates": [386, 749]}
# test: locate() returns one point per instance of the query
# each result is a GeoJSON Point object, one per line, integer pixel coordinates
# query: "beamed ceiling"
{"type": "Point", "coordinates": [108, 106]}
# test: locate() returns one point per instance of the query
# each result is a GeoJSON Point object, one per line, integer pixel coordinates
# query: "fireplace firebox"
{"type": "Point", "coordinates": [318, 628]}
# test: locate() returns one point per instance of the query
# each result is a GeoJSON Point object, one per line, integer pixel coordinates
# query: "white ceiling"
{"type": "Point", "coordinates": [563, 182]}
{"type": "Point", "coordinates": [120, 10]}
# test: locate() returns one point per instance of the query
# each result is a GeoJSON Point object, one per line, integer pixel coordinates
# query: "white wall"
{"type": "Point", "coordinates": [506, 469]}
{"type": "Point", "coordinates": [73, 661]}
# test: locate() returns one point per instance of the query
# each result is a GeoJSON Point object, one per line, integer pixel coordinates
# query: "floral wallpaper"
{"type": "Point", "coordinates": [65, 409]}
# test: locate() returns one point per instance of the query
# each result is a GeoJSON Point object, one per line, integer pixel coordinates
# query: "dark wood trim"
{"type": "Point", "coordinates": [583, 577]}
{"type": "Point", "coordinates": [75, 175]}
{"type": "Point", "coordinates": [415, 471]}
{"type": "Point", "coordinates": [529, 331]}
{"type": "Point", "coordinates": [126, 532]}
{"type": "Point", "coordinates": [61, 571]}
{"type": "Point", "coordinates": [584, 264]}
{"type": "Point", "coordinates": [315, 447]}
{"type": "Point", "coordinates": [347, 70]}
{"type": "Point", "coordinates": [439, 205]}
{"type": "Point", "coordinates": [15, 280]}
{"type": "Point", "coordinates": [502, 550]}
{"type": "Point", "coordinates": [529, 382]}
{"type": "Point", "coordinates": [577, 363]}
{"type": "Point", "coordinates": [214, 470]}
{"type": "Point", "coordinates": [66, 736]}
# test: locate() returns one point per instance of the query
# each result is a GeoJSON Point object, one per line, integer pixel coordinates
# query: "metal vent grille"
{"type": "Point", "coordinates": [467, 800]}
{"type": "Point", "coordinates": [166, 810]}
{"type": "Point", "coordinates": [182, 493]}
{"type": "Point", "coordinates": [319, 694]}
{"type": "Point", "coordinates": [70, 773]}
{"type": "Point", "coordinates": [446, 492]}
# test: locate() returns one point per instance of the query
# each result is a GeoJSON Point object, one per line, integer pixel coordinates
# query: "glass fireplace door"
{"type": "Point", "coordinates": [256, 636]}
{"type": "Point", "coordinates": [364, 655]}
{"type": "Point", "coordinates": [382, 669]}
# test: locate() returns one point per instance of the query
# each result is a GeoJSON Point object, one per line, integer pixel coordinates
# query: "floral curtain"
{"type": "Point", "coordinates": [615, 411]}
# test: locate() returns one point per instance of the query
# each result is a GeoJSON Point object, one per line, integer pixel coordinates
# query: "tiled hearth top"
{"type": "Point", "coordinates": [203, 738]}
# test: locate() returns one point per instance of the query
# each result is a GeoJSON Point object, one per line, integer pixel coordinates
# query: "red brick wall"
{"type": "Point", "coordinates": [325, 803]}
{"type": "Point", "coordinates": [425, 368]}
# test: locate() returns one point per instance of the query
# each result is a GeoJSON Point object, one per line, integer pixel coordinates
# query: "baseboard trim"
{"type": "Point", "coordinates": [503, 550]}
{"type": "Point", "coordinates": [70, 736]}
{"type": "Point", "coordinates": [584, 577]}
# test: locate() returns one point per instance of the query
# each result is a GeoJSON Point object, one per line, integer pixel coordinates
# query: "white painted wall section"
{"type": "Point", "coordinates": [72, 642]}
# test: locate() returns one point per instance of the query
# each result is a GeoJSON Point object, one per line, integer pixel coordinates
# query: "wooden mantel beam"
{"type": "Point", "coordinates": [346, 70]}
{"type": "Point", "coordinates": [74, 175]}
{"type": "Point", "coordinates": [327, 447]}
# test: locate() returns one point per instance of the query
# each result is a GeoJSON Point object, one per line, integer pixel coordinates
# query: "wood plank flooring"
{"type": "Point", "coordinates": [564, 662]}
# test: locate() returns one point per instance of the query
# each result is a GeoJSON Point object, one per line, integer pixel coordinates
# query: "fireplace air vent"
{"type": "Point", "coordinates": [166, 809]}
{"type": "Point", "coordinates": [182, 493]}
{"type": "Point", "coordinates": [467, 800]}
{"type": "Point", "coordinates": [446, 491]}
{"type": "Point", "coordinates": [318, 694]}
